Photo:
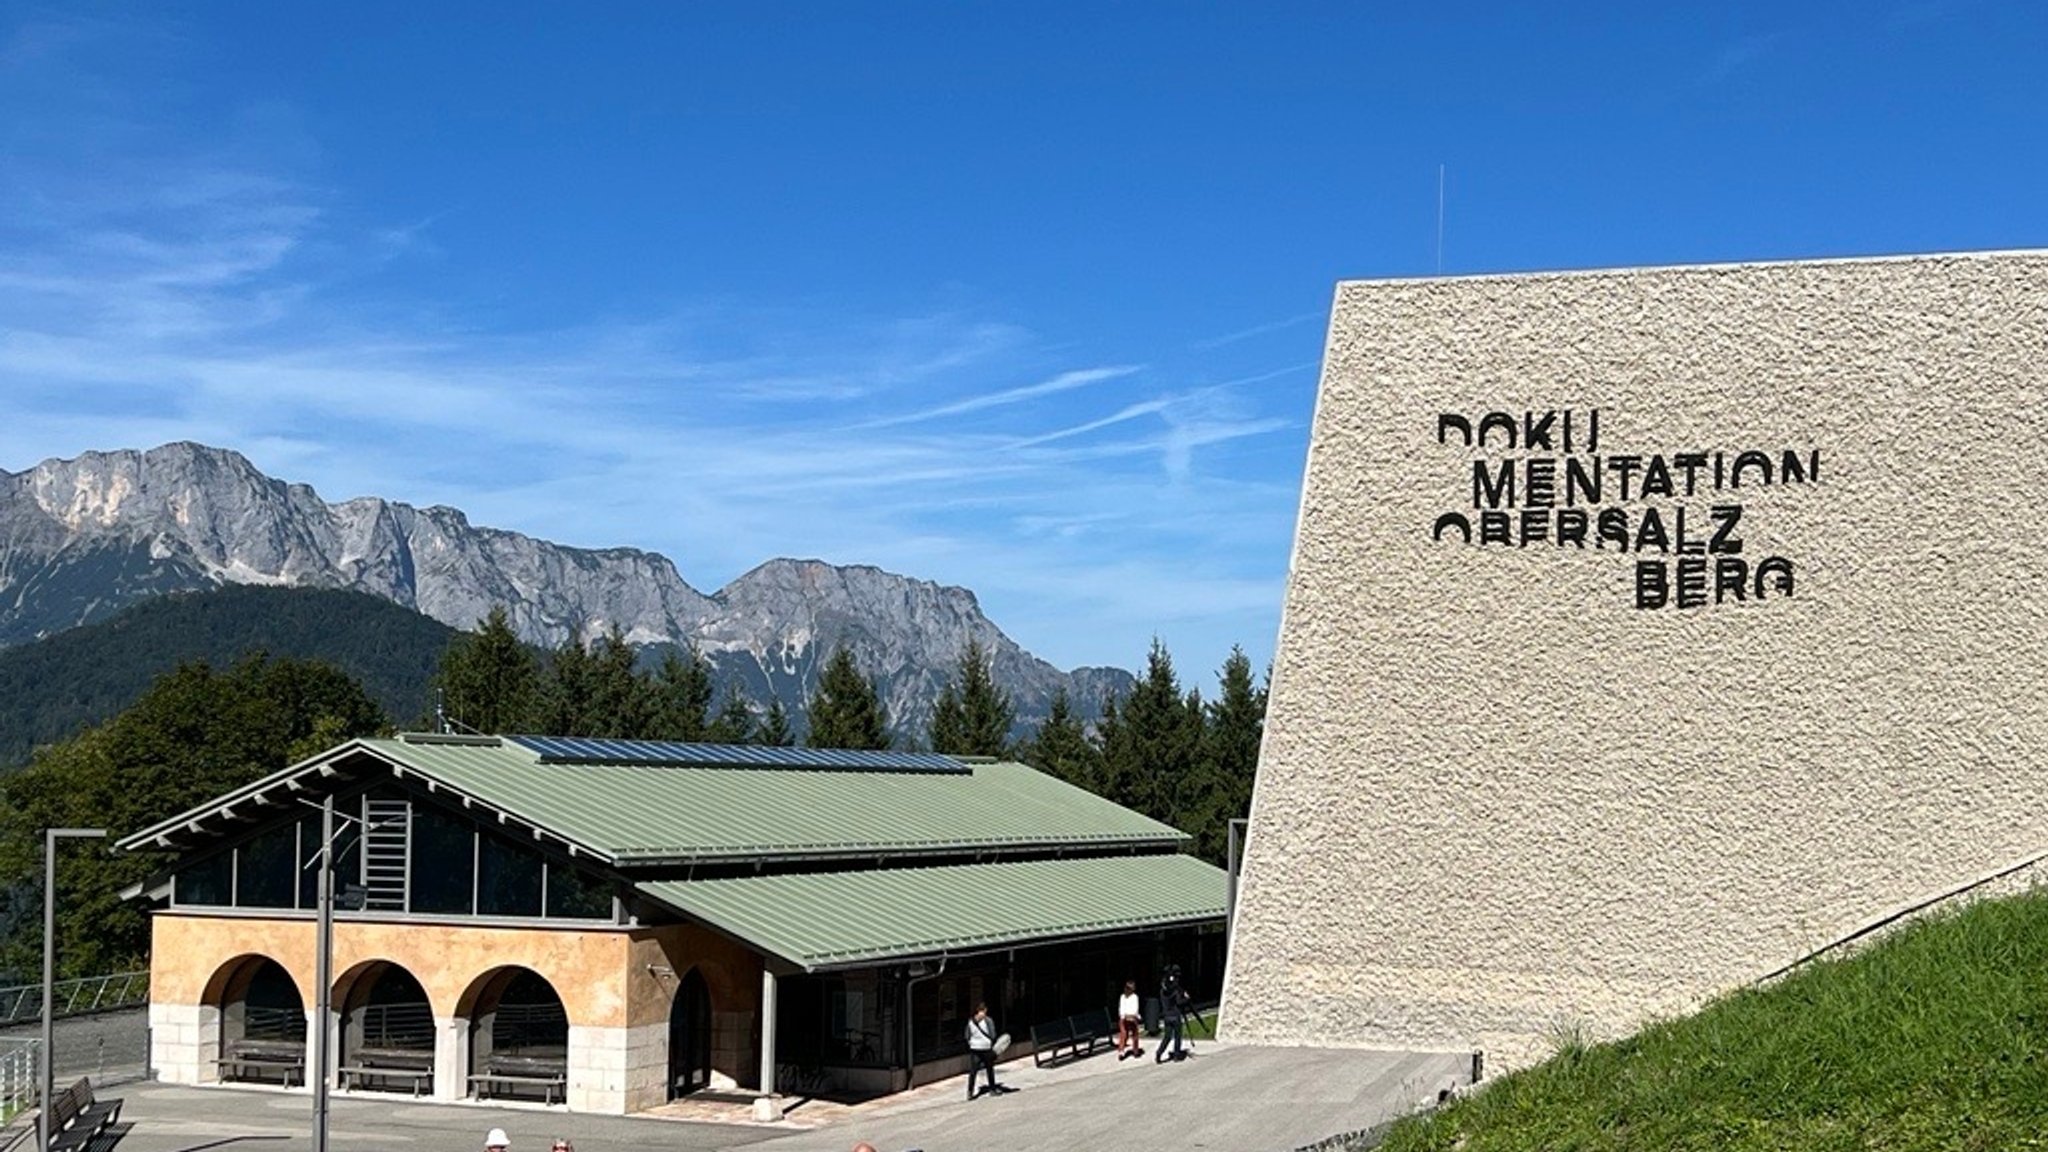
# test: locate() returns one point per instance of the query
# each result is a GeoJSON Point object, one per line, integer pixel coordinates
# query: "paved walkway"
{"type": "Point", "coordinates": [1239, 1098]}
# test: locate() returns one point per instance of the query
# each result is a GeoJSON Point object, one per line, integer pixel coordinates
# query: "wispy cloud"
{"type": "Point", "coordinates": [195, 290]}
{"type": "Point", "coordinates": [1064, 382]}
{"type": "Point", "coordinates": [1256, 330]}
{"type": "Point", "coordinates": [1740, 55]}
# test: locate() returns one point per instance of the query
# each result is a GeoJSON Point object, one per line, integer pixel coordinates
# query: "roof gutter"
{"type": "Point", "coordinates": [1008, 946]}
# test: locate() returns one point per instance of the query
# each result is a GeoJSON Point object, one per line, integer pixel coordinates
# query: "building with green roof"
{"type": "Point", "coordinates": [611, 924]}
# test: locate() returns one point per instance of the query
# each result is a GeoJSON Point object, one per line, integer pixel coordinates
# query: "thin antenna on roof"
{"type": "Point", "coordinates": [1439, 219]}
{"type": "Point", "coordinates": [441, 699]}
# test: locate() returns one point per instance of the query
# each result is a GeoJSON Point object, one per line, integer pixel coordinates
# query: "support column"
{"type": "Point", "coordinates": [766, 1107]}
{"type": "Point", "coordinates": [451, 1057]}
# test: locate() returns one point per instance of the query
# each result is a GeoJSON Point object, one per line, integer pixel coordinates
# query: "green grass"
{"type": "Point", "coordinates": [1936, 1038]}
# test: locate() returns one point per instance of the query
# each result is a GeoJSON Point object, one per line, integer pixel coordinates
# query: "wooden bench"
{"type": "Point", "coordinates": [77, 1120]}
{"type": "Point", "coordinates": [392, 1066]}
{"type": "Point", "coordinates": [1078, 1035]}
{"type": "Point", "coordinates": [549, 1074]}
{"type": "Point", "coordinates": [251, 1059]}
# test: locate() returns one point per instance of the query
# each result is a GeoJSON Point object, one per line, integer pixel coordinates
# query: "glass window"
{"type": "Point", "coordinates": [443, 861]}
{"type": "Point", "coordinates": [508, 879]}
{"type": "Point", "coordinates": [348, 864]}
{"type": "Point", "coordinates": [206, 881]}
{"type": "Point", "coordinates": [577, 895]}
{"type": "Point", "coordinates": [264, 879]}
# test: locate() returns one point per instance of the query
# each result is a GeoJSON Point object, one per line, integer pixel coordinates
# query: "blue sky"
{"type": "Point", "coordinates": [1025, 297]}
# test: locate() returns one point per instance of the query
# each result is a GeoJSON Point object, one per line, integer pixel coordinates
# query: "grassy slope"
{"type": "Point", "coordinates": [1935, 1038]}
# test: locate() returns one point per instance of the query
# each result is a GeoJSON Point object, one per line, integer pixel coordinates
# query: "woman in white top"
{"type": "Point", "coordinates": [1129, 1025]}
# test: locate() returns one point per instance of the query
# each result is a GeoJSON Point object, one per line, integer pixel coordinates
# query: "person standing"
{"type": "Point", "coordinates": [496, 1141]}
{"type": "Point", "coordinates": [1130, 1025]}
{"type": "Point", "coordinates": [1173, 1006]}
{"type": "Point", "coordinates": [981, 1045]}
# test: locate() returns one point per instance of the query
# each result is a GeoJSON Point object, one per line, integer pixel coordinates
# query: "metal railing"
{"type": "Point", "coordinates": [17, 1076]}
{"type": "Point", "coordinates": [24, 1002]}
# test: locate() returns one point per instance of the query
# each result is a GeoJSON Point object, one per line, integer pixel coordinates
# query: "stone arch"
{"type": "Point", "coordinates": [254, 1017]}
{"type": "Point", "coordinates": [517, 1031]}
{"type": "Point", "coordinates": [386, 1021]}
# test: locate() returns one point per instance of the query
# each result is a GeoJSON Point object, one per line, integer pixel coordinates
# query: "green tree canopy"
{"type": "Point", "coordinates": [1230, 755]}
{"type": "Point", "coordinates": [1149, 753]}
{"type": "Point", "coordinates": [682, 697]}
{"type": "Point", "coordinates": [734, 723]}
{"type": "Point", "coordinates": [569, 693]}
{"type": "Point", "coordinates": [845, 712]}
{"type": "Point", "coordinates": [488, 679]}
{"type": "Point", "coordinates": [621, 701]}
{"type": "Point", "coordinates": [196, 733]}
{"type": "Point", "coordinates": [774, 731]}
{"type": "Point", "coordinates": [975, 719]}
{"type": "Point", "coordinates": [1060, 746]}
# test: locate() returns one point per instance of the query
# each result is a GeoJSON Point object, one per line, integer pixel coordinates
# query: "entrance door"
{"type": "Point", "coordinates": [689, 1037]}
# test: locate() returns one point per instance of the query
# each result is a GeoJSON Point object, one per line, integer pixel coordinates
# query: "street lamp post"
{"type": "Point", "coordinates": [324, 974]}
{"type": "Point", "coordinates": [49, 1053]}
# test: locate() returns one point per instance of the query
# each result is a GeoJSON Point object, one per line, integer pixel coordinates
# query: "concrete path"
{"type": "Point", "coordinates": [1228, 1097]}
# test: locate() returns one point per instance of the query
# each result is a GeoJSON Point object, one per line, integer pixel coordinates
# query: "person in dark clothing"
{"type": "Point", "coordinates": [1173, 1008]}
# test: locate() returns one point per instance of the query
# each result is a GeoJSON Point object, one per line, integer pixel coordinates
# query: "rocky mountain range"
{"type": "Point", "coordinates": [82, 538]}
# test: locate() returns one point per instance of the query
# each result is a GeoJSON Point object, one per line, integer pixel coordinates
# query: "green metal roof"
{"type": "Point", "coordinates": [846, 919]}
{"type": "Point", "coordinates": [645, 814]}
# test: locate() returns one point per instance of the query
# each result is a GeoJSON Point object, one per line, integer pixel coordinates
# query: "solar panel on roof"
{"type": "Point", "coordinates": [676, 754]}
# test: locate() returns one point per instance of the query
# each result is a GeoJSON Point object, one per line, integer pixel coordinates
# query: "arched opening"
{"type": "Point", "coordinates": [261, 1020]}
{"type": "Point", "coordinates": [387, 1031]}
{"type": "Point", "coordinates": [518, 1037]}
{"type": "Point", "coordinates": [689, 1037]}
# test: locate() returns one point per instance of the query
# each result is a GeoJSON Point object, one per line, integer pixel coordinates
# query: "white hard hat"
{"type": "Point", "coordinates": [496, 1138]}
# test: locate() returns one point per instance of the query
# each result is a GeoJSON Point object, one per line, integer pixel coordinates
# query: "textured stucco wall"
{"type": "Point", "coordinates": [1497, 797]}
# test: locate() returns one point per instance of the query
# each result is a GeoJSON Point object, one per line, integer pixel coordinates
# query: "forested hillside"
{"type": "Point", "coordinates": [51, 689]}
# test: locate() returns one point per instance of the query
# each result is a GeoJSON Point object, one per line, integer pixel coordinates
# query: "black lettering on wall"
{"type": "Point", "coordinates": [1535, 525]}
{"type": "Point", "coordinates": [1571, 527]}
{"type": "Point", "coordinates": [1612, 526]}
{"type": "Point", "coordinates": [1653, 587]}
{"type": "Point", "coordinates": [1451, 520]}
{"type": "Point", "coordinates": [1539, 482]}
{"type": "Point", "coordinates": [1492, 490]}
{"type": "Point", "coordinates": [1756, 460]}
{"type": "Point", "coordinates": [1500, 420]}
{"type": "Point", "coordinates": [1493, 528]}
{"type": "Point", "coordinates": [1726, 517]}
{"type": "Point", "coordinates": [1778, 571]}
{"type": "Point", "coordinates": [1451, 421]}
{"type": "Point", "coordinates": [1731, 578]}
{"type": "Point", "coordinates": [1692, 582]}
{"type": "Point", "coordinates": [1650, 532]}
{"type": "Point", "coordinates": [1536, 433]}
{"type": "Point", "coordinates": [1581, 483]}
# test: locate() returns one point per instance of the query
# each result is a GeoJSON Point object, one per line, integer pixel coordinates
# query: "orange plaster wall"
{"type": "Point", "coordinates": [589, 969]}
{"type": "Point", "coordinates": [732, 974]}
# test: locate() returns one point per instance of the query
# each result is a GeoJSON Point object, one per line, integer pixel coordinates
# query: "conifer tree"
{"type": "Point", "coordinates": [569, 700]}
{"type": "Point", "coordinates": [845, 712]}
{"type": "Point", "coordinates": [774, 730]}
{"type": "Point", "coordinates": [682, 697]}
{"type": "Point", "coordinates": [1236, 725]}
{"type": "Point", "coordinates": [621, 703]}
{"type": "Point", "coordinates": [489, 680]}
{"type": "Point", "coordinates": [1060, 746]}
{"type": "Point", "coordinates": [975, 719]}
{"type": "Point", "coordinates": [1149, 757]}
{"type": "Point", "coordinates": [734, 723]}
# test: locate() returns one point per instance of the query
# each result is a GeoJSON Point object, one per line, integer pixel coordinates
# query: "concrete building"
{"type": "Point", "coordinates": [1648, 631]}
{"type": "Point", "coordinates": [616, 923]}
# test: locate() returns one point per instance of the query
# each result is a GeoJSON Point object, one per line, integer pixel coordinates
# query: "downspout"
{"type": "Point", "coordinates": [909, 1032]}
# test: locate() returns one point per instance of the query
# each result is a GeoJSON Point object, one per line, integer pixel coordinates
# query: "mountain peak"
{"type": "Point", "coordinates": [82, 538]}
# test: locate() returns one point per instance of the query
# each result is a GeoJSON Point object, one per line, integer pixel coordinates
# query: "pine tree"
{"type": "Point", "coordinates": [621, 703]}
{"type": "Point", "coordinates": [734, 723]}
{"type": "Point", "coordinates": [1149, 757]}
{"type": "Point", "coordinates": [569, 698]}
{"type": "Point", "coordinates": [845, 712]}
{"type": "Point", "coordinates": [1060, 747]}
{"type": "Point", "coordinates": [976, 719]}
{"type": "Point", "coordinates": [1237, 724]}
{"type": "Point", "coordinates": [488, 680]}
{"type": "Point", "coordinates": [774, 731]}
{"type": "Point", "coordinates": [682, 697]}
